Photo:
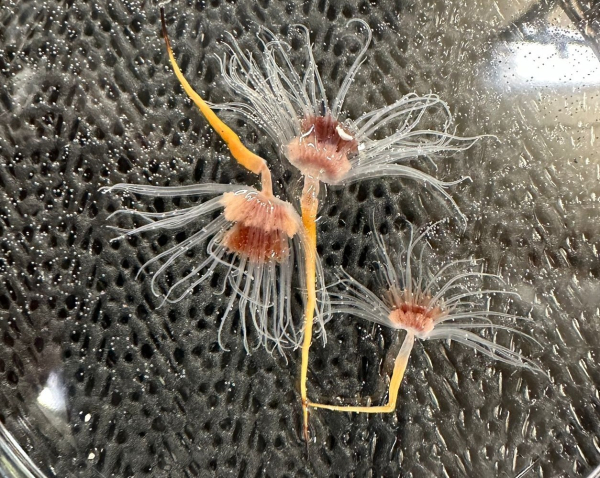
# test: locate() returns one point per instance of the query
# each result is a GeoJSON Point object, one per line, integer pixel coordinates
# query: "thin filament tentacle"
{"type": "Point", "coordinates": [360, 59]}
{"type": "Point", "coordinates": [172, 191]}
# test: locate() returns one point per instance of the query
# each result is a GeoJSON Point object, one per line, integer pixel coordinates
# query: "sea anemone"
{"type": "Point", "coordinates": [256, 239]}
{"type": "Point", "coordinates": [313, 135]}
{"type": "Point", "coordinates": [426, 304]}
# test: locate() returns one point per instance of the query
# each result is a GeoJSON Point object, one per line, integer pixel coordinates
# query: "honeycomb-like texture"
{"type": "Point", "coordinates": [87, 100]}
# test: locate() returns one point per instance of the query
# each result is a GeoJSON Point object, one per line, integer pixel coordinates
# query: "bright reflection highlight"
{"type": "Point", "coordinates": [564, 64]}
{"type": "Point", "coordinates": [52, 396]}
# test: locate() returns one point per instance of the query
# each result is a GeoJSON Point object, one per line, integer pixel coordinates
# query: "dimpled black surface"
{"type": "Point", "coordinates": [87, 99]}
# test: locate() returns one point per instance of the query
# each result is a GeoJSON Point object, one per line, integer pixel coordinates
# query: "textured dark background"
{"type": "Point", "coordinates": [87, 100]}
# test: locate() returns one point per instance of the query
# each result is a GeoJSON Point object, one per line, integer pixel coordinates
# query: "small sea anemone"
{"type": "Point", "coordinates": [312, 134]}
{"type": "Point", "coordinates": [426, 304]}
{"type": "Point", "coordinates": [256, 238]}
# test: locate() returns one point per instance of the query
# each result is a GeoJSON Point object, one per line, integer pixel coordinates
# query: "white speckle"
{"type": "Point", "coordinates": [342, 134]}
{"type": "Point", "coordinates": [91, 456]}
{"type": "Point", "coordinates": [87, 418]}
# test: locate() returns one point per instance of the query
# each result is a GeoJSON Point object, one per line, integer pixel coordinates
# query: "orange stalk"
{"type": "Point", "coordinates": [242, 155]}
{"type": "Point", "coordinates": [309, 204]}
{"type": "Point", "coordinates": [394, 387]}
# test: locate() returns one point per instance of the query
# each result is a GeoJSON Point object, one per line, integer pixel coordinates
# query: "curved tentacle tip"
{"type": "Point", "coordinates": [300, 27]}
{"type": "Point", "coordinates": [463, 220]}
{"type": "Point", "coordinates": [167, 299]}
{"type": "Point", "coordinates": [124, 187]}
{"type": "Point", "coordinates": [124, 233]}
{"type": "Point", "coordinates": [545, 373]}
{"type": "Point", "coordinates": [143, 270]}
{"type": "Point", "coordinates": [534, 367]}
{"type": "Point", "coordinates": [493, 136]}
{"type": "Point", "coordinates": [163, 302]}
{"type": "Point", "coordinates": [117, 213]}
{"type": "Point", "coordinates": [358, 20]}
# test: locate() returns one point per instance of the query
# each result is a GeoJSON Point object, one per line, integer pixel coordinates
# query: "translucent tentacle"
{"type": "Point", "coordinates": [338, 103]}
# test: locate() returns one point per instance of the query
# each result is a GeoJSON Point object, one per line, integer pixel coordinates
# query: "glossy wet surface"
{"type": "Point", "coordinates": [97, 380]}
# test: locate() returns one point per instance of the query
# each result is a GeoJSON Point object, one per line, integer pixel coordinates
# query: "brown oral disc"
{"type": "Point", "coordinates": [329, 130]}
{"type": "Point", "coordinates": [415, 317]}
{"type": "Point", "coordinates": [256, 244]}
{"type": "Point", "coordinates": [322, 150]}
{"type": "Point", "coordinates": [262, 226]}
